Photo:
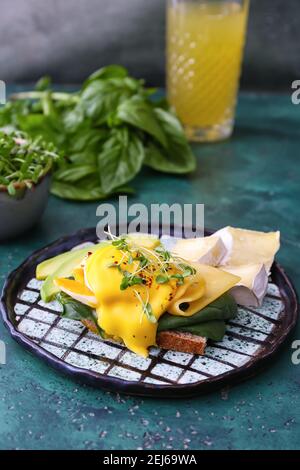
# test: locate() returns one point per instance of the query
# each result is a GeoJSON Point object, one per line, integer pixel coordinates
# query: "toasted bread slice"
{"type": "Point", "coordinates": [171, 339]}
{"type": "Point", "coordinates": [181, 341]}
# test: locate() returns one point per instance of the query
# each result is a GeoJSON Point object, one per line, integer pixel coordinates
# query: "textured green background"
{"type": "Point", "coordinates": [250, 181]}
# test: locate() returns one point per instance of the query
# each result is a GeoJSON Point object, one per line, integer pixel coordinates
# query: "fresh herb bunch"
{"type": "Point", "coordinates": [23, 161]}
{"type": "Point", "coordinates": [107, 130]}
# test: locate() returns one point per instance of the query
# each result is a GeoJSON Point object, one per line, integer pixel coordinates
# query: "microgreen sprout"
{"type": "Point", "coordinates": [121, 243]}
{"type": "Point", "coordinates": [129, 280]}
{"type": "Point", "coordinates": [158, 263]}
{"type": "Point", "coordinates": [146, 308]}
{"type": "Point", "coordinates": [23, 161]}
{"type": "Point", "coordinates": [162, 279]}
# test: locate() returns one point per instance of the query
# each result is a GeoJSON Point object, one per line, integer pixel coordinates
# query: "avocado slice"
{"type": "Point", "coordinates": [63, 266]}
{"type": "Point", "coordinates": [47, 267]}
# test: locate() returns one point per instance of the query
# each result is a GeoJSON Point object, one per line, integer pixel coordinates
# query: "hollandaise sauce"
{"type": "Point", "coordinates": [130, 285]}
{"type": "Point", "coordinates": [124, 313]}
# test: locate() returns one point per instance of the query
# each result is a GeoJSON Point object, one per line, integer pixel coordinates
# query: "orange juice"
{"type": "Point", "coordinates": [205, 40]}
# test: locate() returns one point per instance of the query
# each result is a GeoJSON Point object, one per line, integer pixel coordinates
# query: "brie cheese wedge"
{"type": "Point", "coordinates": [253, 285]}
{"type": "Point", "coordinates": [204, 250]}
{"type": "Point", "coordinates": [248, 254]}
{"type": "Point", "coordinates": [244, 247]}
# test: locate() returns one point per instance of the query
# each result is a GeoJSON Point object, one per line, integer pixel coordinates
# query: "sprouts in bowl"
{"type": "Point", "coordinates": [25, 177]}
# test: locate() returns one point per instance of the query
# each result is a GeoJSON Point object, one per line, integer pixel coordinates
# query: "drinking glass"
{"type": "Point", "coordinates": [205, 42]}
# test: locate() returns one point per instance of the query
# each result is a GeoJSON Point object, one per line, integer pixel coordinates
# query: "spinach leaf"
{"type": "Point", "coordinates": [214, 330]}
{"type": "Point", "coordinates": [210, 317]}
{"type": "Point", "coordinates": [75, 310]}
{"type": "Point", "coordinates": [120, 159]}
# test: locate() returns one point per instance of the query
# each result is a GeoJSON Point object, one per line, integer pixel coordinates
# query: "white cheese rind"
{"type": "Point", "coordinates": [252, 288]}
{"type": "Point", "coordinates": [248, 254]}
{"type": "Point", "coordinates": [245, 247]}
{"type": "Point", "coordinates": [205, 250]}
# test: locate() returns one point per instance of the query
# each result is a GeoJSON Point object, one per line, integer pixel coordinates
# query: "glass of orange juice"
{"type": "Point", "coordinates": [205, 42]}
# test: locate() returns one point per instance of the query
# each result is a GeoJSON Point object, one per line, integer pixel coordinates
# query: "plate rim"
{"type": "Point", "coordinates": [115, 384]}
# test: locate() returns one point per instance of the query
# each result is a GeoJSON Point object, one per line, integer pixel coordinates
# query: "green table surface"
{"type": "Point", "coordinates": [252, 181]}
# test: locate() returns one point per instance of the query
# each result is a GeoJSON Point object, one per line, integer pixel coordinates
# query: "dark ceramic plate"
{"type": "Point", "coordinates": [251, 340]}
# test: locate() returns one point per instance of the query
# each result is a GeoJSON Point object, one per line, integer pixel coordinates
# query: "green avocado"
{"type": "Point", "coordinates": [47, 267]}
{"type": "Point", "coordinates": [61, 266]}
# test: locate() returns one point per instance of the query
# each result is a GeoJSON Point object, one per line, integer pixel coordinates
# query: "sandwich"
{"type": "Point", "coordinates": [134, 290]}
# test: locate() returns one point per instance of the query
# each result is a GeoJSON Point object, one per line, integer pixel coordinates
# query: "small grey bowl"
{"type": "Point", "coordinates": [19, 214]}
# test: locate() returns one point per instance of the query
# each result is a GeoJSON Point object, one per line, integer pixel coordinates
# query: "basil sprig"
{"type": "Point", "coordinates": [107, 130]}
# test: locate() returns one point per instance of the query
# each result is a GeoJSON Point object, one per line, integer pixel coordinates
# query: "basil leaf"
{"type": "Point", "coordinates": [74, 173]}
{"type": "Point", "coordinates": [120, 159]}
{"type": "Point", "coordinates": [178, 158]}
{"type": "Point", "coordinates": [39, 125]}
{"type": "Point", "coordinates": [44, 83]}
{"type": "Point", "coordinates": [74, 118]}
{"type": "Point", "coordinates": [109, 125]}
{"type": "Point", "coordinates": [111, 71]}
{"type": "Point", "coordinates": [76, 192]}
{"type": "Point", "coordinates": [101, 98]}
{"type": "Point", "coordinates": [139, 113]}
{"type": "Point", "coordinates": [87, 140]}
{"type": "Point", "coordinates": [83, 192]}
